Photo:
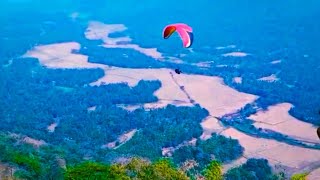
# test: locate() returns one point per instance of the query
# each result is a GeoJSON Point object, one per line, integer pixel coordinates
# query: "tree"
{"type": "Point", "coordinates": [94, 170]}
{"type": "Point", "coordinates": [253, 169]}
{"type": "Point", "coordinates": [239, 173]}
{"type": "Point", "coordinates": [86, 170]}
{"type": "Point", "coordinates": [139, 168]}
{"type": "Point", "coordinates": [117, 172]}
{"type": "Point", "coordinates": [164, 169]}
{"type": "Point", "coordinates": [260, 167]}
{"type": "Point", "coordinates": [213, 171]}
{"type": "Point", "coordinates": [302, 176]}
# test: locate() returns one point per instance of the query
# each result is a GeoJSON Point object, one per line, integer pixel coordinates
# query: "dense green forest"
{"type": "Point", "coordinates": [48, 162]}
{"type": "Point", "coordinates": [56, 96]}
{"type": "Point", "coordinates": [32, 87]}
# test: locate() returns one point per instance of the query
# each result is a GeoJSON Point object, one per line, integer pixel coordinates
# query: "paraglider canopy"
{"type": "Point", "coordinates": [184, 31]}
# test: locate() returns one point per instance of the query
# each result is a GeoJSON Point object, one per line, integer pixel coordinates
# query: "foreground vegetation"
{"type": "Point", "coordinates": [29, 162]}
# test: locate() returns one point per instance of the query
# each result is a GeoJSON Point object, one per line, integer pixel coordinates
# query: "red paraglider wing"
{"type": "Point", "coordinates": [185, 37]}
{"type": "Point", "coordinates": [183, 26]}
{"type": "Point", "coordinates": [184, 31]}
{"type": "Point", "coordinates": [168, 30]}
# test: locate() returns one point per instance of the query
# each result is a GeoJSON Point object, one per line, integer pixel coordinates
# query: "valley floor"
{"type": "Point", "coordinates": [207, 91]}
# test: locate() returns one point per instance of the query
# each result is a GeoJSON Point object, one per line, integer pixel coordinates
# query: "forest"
{"type": "Point", "coordinates": [57, 96]}
{"type": "Point", "coordinates": [25, 162]}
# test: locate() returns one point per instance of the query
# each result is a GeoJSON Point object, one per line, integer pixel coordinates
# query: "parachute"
{"type": "Point", "coordinates": [184, 31]}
